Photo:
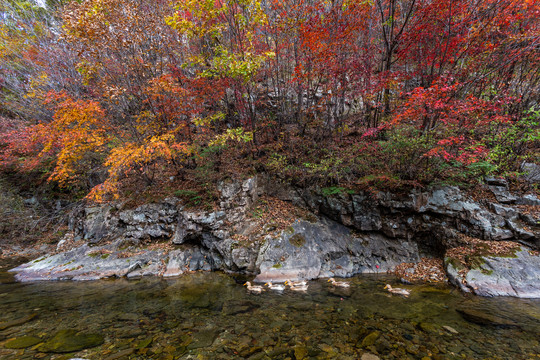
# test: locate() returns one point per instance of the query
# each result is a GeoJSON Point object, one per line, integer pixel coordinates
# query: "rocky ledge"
{"type": "Point", "coordinates": [310, 235]}
{"type": "Point", "coordinates": [516, 274]}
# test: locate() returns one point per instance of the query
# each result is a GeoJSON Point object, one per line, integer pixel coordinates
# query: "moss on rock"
{"type": "Point", "coordinates": [297, 240]}
{"type": "Point", "coordinates": [22, 342]}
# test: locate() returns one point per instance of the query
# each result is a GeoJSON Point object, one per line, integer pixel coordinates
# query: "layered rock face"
{"type": "Point", "coordinates": [346, 234]}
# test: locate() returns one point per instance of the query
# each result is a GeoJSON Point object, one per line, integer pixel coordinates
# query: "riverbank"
{"type": "Point", "coordinates": [276, 232]}
{"type": "Point", "coordinates": [210, 315]}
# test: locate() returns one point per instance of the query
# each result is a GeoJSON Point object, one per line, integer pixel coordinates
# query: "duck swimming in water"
{"type": "Point", "coordinates": [342, 284]}
{"type": "Point", "coordinates": [276, 287]}
{"type": "Point", "coordinates": [298, 286]}
{"type": "Point", "coordinates": [255, 288]}
{"type": "Point", "coordinates": [397, 291]}
{"type": "Point", "coordinates": [296, 283]}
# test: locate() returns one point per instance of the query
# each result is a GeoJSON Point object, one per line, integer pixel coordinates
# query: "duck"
{"type": "Point", "coordinates": [296, 283]}
{"type": "Point", "coordinates": [397, 291]}
{"type": "Point", "coordinates": [298, 287]}
{"type": "Point", "coordinates": [342, 284]}
{"type": "Point", "coordinates": [254, 288]}
{"type": "Point", "coordinates": [276, 287]}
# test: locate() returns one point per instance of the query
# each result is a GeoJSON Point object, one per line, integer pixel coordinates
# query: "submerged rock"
{"type": "Point", "coordinates": [370, 339]}
{"type": "Point", "coordinates": [70, 340]}
{"type": "Point", "coordinates": [7, 324]}
{"type": "Point", "coordinates": [369, 356]}
{"type": "Point", "coordinates": [204, 338]}
{"type": "Point", "coordinates": [239, 307]}
{"type": "Point", "coordinates": [145, 343]}
{"type": "Point", "coordinates": [300, 352]}
{"type": "Point", "coordinates": [22, 342]}
{"type": "Point", "coordinates": [121, 354]}
{"type": "Point", "coordinates": [480, 317]}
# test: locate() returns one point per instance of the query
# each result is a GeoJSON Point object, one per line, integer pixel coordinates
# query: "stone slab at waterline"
{"type": "Point", "coordinates": [99, 262]}
{"type": "Point", "coordinates": [515, 275]}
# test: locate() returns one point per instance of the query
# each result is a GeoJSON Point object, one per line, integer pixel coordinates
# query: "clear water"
{"type": "Point", "coordinates": [212, 316]}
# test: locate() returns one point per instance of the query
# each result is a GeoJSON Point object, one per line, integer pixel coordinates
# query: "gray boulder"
{"type": "Point", "coordinates": [517, 276]}
{"type": "Point", "coordinates": [325, 249]}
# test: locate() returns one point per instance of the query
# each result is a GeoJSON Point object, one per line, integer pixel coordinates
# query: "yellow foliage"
{"type": "Point", "coordinates": [76, 131]}
{"type": "Point", "coordinates": [236, 134]}
{"type": "Point", "coordinates": [129, 157]}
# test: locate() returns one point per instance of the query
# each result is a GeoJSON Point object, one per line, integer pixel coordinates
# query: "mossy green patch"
{"type": "Point", "coordinates": [456, 264]}
{"type": "Point", "coordinates": [475, 261]}
{"type": "Point", "coordinates": [22, 342]}
{"type": "Point", "coordinates": [511, 253]}
{"type": "Point", "coordinates": [486, 272]}
{"type": "Point", "coordinates": [297, 240]}
{"type": "Point", "coordinates": [104, 256]}
{"type": "Point", "coordinates": [145, 343]}
{"type": "Point", "coordinates": [370, 339]}
{"type": "Point", "coordinates": [300, 352]}
{"type": "Point", "coordinates": [71, 340]}
{"type": "Point", "coordinates": [277, 266]}
{"type": "Point", "coordinates": [428, 327]}
{"type": "Point", "coordinates": [289, 230]}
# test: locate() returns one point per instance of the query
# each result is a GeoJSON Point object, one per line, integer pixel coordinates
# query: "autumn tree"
{"type": "Point", "coordinates": [327, 91]}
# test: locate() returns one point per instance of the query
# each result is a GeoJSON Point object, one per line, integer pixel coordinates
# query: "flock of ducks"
{"type": "Point", "coordinates": [303, 286]}
{"type": "Point", "coordinates": [293, 285]}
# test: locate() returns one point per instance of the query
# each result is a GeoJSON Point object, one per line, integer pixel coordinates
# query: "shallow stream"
{"type": "Point", "coordinates": [212, 316]}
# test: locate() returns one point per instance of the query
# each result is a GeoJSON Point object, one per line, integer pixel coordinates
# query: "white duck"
{"type": "Point", "coordinates": [298, 287]}
{"type": "Point", "coordinates": [296, 283]}
{"type": "Point", "coordinates": [254, 288]}
{"type": "Point", "coordinates": [397, 291]}
{"type": "Point", "coordinates": [276, 287]}
{"type": "Point", "coordinates": [342, 284]}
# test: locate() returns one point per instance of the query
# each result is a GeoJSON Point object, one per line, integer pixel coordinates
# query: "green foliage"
{"type": "Point", "coordinates": [236, 134]}
{"type": "Point", "coordinates": [191, 197]}
{"type": "Point", "coordinates": [277, 162]}
{"type": "Point", "coordinates": [511, 144]}
{"type": "Point", "coordinates": [402, 154]}
{"type": "Point", "coordinates": [335, 190]}
{"type": "Point", "coordinates": [331, 167]}
{"type": "Point", "coordinates": [480, 169]}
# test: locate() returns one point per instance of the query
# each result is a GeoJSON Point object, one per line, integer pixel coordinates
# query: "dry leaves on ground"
{"type": "Point", "coordinates": [272, 214]}
{"type": "Point", "coordinates": [427, 270]}
{"type": "Point", "coordinates": [474, 246]}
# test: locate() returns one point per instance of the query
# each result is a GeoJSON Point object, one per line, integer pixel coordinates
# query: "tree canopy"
{"type": "Point", "coordinates": [100, 95]}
